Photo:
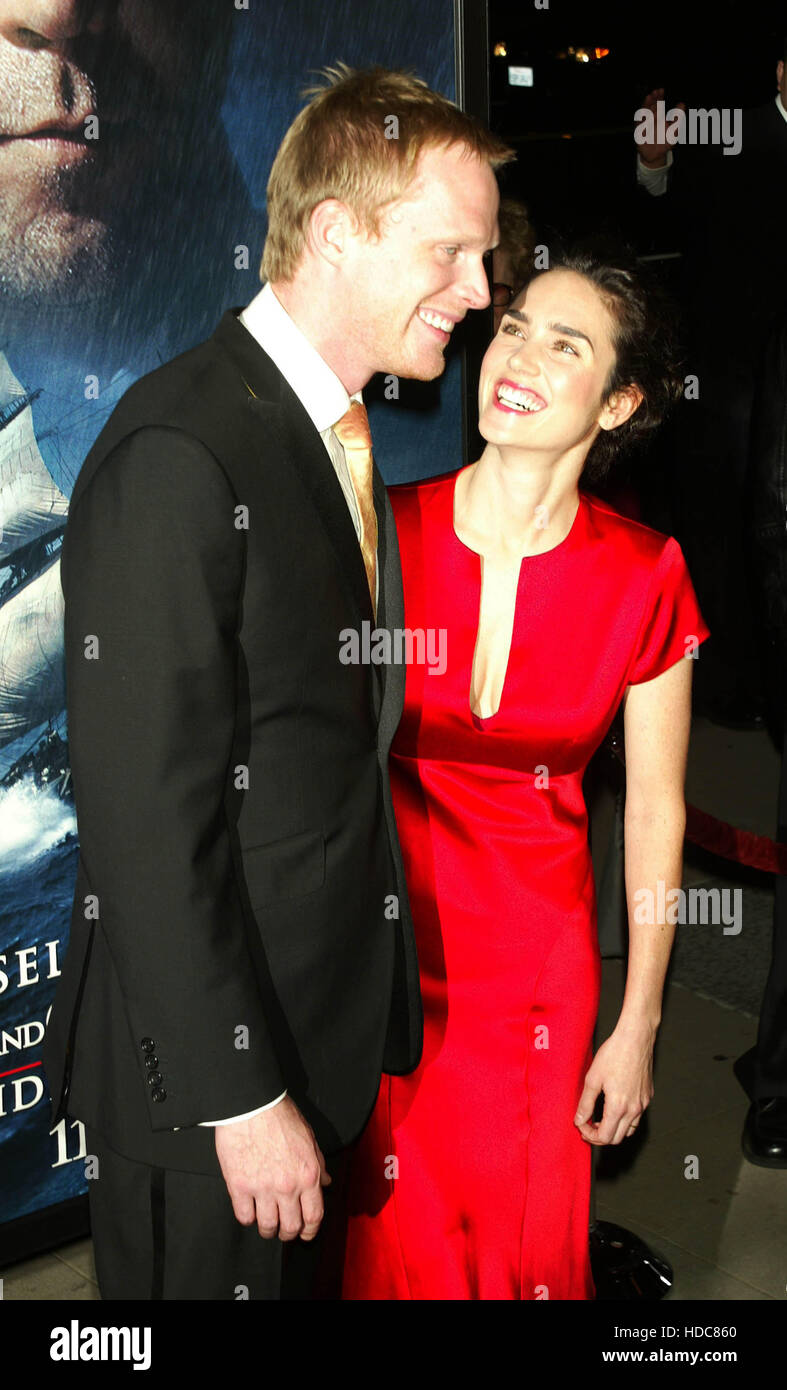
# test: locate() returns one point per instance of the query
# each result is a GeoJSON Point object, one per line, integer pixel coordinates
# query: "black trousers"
{"type": "Point", "coordinates": [762, 1071]}
{"type": "Point", "coordinates": [159, 1233]}
{"type": "Point", "coordinates": [710, 478]}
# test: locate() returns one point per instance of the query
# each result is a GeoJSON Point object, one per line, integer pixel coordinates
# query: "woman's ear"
{"type": "Point", "coordinates": [620, 406]}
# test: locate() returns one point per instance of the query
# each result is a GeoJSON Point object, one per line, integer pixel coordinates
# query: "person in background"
{"type": "Point", "coordinates": [762, 1071]}
{"type": "Point", "coordinates": [723, 212]}
{"type": "Point", "coordinates": [512, 258]}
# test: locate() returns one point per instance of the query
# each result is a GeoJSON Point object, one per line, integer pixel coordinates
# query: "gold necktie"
{"type": "Point", "coordinates": [354, 434]}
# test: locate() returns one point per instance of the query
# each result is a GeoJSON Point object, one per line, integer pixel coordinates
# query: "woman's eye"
{"type": "Point", "coordinates": [509, 326]}
{"type": "Point", "coordinates": [563, 344]}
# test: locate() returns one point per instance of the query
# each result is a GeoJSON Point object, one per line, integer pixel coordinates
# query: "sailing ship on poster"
{"type": "Point", "coordinates": [33, 514]}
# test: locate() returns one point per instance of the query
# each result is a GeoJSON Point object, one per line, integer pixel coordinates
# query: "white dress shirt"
{"type": "Point", "coordinates": [325, 401]}
{"type": "Point", "coordinates": [315, 384]}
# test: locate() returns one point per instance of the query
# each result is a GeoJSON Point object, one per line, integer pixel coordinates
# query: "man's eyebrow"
{"type": "Point", "coordinates": [463, 239]}
{"type": "Point", "coordinates": [556, 327]}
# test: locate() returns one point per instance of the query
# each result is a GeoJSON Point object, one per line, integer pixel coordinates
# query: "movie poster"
{"type": "Point", "coordinates": [132, 215]}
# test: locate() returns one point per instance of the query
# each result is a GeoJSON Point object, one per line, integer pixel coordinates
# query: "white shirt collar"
{"type": "Point", "coordinates": [316, 385]}
{"type": "Point", "coordinates": [780, 106]}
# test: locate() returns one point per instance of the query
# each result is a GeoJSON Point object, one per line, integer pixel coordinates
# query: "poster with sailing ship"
{"type": "Point", "coordinates": [134, 157]}
{"type": "Point", "coordinates": [34, 511]}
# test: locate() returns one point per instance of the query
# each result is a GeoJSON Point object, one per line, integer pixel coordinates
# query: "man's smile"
{"type": "Point", "coordinates": [438, 321]}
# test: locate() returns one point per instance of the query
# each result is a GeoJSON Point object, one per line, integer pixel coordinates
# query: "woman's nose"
{"type": "Point", "coordinates": [524, 358]}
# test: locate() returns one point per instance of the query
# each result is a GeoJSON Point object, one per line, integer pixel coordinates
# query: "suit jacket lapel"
{"type": "Point", "coordinates": [310, 457]}
{"type": "Point", "coordinates": [390, 612]}
{"type": "Point", "coordinates": [304, 448]}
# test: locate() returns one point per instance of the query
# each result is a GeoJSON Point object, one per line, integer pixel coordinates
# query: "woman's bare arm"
{"type": "Point", "coordinates": [657, 718]}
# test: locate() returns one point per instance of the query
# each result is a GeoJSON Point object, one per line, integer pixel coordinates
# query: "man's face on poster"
{"type": "Point", "coordinates": [96, 100]}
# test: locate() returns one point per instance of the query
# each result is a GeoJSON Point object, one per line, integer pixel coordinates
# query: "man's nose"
{"type": "Point", "coordinates": [52, 23]}
{"type": "Point", "coordinates": [475, 286]}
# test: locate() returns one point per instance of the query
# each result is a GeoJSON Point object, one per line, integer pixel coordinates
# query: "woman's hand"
{"type": "Point", "coordinates": [623, 1069]}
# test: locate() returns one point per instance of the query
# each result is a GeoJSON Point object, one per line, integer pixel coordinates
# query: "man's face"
{"type": "Point", "coordinates": [122, 72]}
{"type": "Point", "coordinates": [412, 285]}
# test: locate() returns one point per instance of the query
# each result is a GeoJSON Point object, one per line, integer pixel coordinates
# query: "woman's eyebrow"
{"type": "Point", "coordinates": [556, 327]}
{"type": "Point", "coordinates": [571, 332]}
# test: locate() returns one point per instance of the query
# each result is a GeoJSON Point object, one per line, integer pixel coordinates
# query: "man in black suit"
{"type": "Point", "coordinates": [242, 963]}
{"type": "Point", "coordinates": [722, 208]}
{"type": "Point", "coordinates": [730, 212]}
{"type": "Point", "coordinates": [762, 1070]}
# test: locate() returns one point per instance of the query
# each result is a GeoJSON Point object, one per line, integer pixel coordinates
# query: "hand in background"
{"type": "Point", "coordinates": [654, 154]}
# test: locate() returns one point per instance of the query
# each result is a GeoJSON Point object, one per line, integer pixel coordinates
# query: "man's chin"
{"type": "Point", "coordinates": [421, 369]}
{"type": "Point", "coordinates": [57, 259]}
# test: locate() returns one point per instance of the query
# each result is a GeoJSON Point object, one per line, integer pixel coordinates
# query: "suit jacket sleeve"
{"type": "Point", "coordinates": [153, 569]}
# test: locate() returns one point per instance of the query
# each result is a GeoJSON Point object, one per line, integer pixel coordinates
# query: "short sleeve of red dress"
{"type": "Point", "coordinates": [672, 625]}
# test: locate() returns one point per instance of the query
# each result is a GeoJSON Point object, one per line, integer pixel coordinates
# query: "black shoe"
{"type": "Point", "coordinates": [765, 1133]}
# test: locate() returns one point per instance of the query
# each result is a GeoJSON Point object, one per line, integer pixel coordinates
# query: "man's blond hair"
{"type": "Point", "coordinates": [359, 140]}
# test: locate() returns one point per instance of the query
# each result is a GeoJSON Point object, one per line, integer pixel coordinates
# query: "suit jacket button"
{"type": "Point", "coordinates": [158, 1095]}
{"type": "Point", "coordinates": [147, 1045]}
{"type": "Point", "coordinates": [151, 1060]}
{"type": "Point", "coordinates": [154, 1078]}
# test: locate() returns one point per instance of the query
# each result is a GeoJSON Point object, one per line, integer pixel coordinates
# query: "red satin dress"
{"type": "Point", "coordinates": [471, 1180]}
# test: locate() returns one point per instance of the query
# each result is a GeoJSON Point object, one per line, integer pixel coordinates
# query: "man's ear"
{"type": "Point", "coordinates": [779, 73]}
{"type": "Point", "coordinates": [620, 406]}
{"type": "Point", "coordinates": [331, 226]}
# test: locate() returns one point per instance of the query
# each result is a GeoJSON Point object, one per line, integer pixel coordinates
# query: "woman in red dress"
{"type": "Point", "coordinates": [472, 1179]}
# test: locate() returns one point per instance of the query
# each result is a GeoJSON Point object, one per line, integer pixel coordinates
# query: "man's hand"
{"type": "Point", "coordinates": [274, 1172]}
{"type": "Point", "coordinates": [655, 155]}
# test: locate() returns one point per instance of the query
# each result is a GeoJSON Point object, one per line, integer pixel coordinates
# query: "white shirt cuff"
{"type": "Point", "coordinates": [654, 181]}
{"type": "Point", "coordinates": [212, 1124]}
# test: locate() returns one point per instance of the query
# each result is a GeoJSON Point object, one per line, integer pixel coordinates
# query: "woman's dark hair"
{"type": "Point", "coordinates": [646, 347]}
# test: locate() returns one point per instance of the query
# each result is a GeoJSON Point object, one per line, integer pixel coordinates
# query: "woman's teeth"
{"type": "Point", "coordinates": [520, 400]}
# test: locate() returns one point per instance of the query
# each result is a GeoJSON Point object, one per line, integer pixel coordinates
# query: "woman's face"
{"type": "Point", "coordinates": [544, 372]}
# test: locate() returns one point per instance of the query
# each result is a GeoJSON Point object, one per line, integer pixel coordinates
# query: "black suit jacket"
{"type": "Point", "coordinates": [766, 511]}
{"type": "Point", "coordinates": [240, 920]}
{"type": "Point", "coordinates": [724, 211]}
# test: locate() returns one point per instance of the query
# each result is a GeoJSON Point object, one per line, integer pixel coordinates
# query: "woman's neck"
{"type": "Point", "coordinates": [507, 505]}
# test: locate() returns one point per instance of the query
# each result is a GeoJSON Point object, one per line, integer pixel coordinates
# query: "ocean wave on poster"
{"type": "Point", "coordinates": [32, 820]}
